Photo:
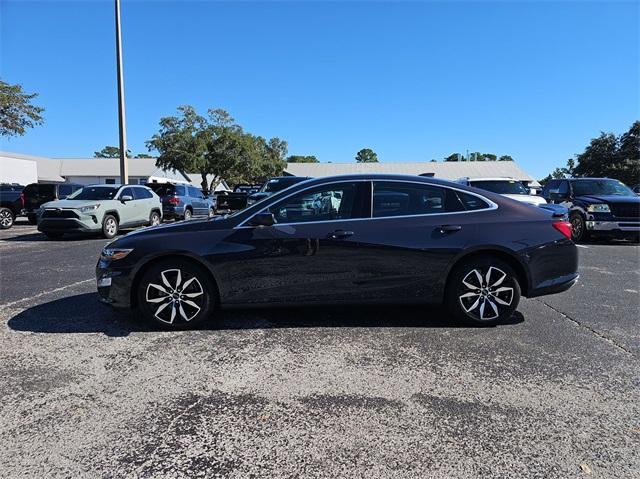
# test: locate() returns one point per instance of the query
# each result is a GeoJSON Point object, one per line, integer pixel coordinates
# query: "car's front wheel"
{"type": "Point", "coordinates": [483, 292]}
{"type": "Point", "coordinates": [176, 294]}
{"type": "Point", "coordinates": [109, 226]}
{"type": "Point", "coordinates": [6, 218]}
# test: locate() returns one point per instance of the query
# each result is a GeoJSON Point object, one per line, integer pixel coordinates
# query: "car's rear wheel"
{"type": "Point", "coordinates": [483, 291]}
{"type": "Point", "coordinates": [109, 226]}
{"type": "Point", "coordinates": [6, 218]}
{"type": "Point", "coordinates": [176, 294]}
{"type": "Point", "coordinates": [578, 227]}
{"type": "Point", "coordinates": [154, 218]}
{"type": "Point", "coordinates": [187, 214]}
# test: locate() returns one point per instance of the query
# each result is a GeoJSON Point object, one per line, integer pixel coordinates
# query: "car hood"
{"type": "Point", "coordinates": [529, 199]}
{"type": "Point", "coordinates": [75, 204]}
{"type": "Point", "coordinates": [609, 199]}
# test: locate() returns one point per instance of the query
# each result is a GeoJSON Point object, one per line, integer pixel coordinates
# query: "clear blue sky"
{"type": "Point", "coordinates": [412, 80]}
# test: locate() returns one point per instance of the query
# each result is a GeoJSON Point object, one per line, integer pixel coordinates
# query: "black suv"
{"type": "Point", "coordinates": [597, 206]}
{"type": "Point", "coordinates": [11, 203]}
{"type": "Point", "coordinates": [37, 194]}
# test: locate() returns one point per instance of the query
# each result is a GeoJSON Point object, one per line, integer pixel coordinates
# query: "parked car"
{"type": "Point", "coordinates": [247, 188]}
{"type": "Point", "coordinates": [101, 209]}
{"type": "Point", "coordinates": [227, 201]}
{"type": "Point", "coordinates": [274, 185]}
{"type": "Point", "coordinates": [182, 202]}
{"type": "Point", "coordinates": [37, 194]}
{"type": "Point", "coordinates": [11, 204]}
{"type": "Point", "coordinates": [386, 238]}
{"type": "Point", "coordinates": [597, 206]}
{"type": "Point", "coordinates": [505, 186]}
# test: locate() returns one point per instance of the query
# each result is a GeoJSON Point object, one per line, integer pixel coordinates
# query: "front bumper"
{"type": "Point", "coordinates": [619, 226]}
{"type": "Point", "coordinates": [113, 284]}
{"type": "Point", "coordinates": [63, 225]}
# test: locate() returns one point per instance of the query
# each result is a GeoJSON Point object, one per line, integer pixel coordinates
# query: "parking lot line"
{"type": "Point", "coordinates": [44, 293]}
{"type": "Point", "coordinates": [582, 246]}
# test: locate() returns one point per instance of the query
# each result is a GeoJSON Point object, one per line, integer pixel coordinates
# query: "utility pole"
{"type": "Point", "coordinates": [124, 167]}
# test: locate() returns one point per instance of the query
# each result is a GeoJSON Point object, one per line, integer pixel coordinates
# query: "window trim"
{"type": "Point", "coordinates": [492, 205]}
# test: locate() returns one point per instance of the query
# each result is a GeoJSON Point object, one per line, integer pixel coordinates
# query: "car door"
{"type": "Point", "coordinates": [129, 211]}
{"type": "Point", "coordinates": [310, 254]}
{"type": "Point", "coordinates": [415, 232]}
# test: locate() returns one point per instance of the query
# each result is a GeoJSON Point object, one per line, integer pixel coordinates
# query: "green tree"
{"type": "Point", "coordinates": [109, 152]}
{"type": "Point", "coordinates": [17, 113]}
{"type": "Point", "coordinates": [453, 157]}
{"type": "Point", "coordinates": [505, 158]}
{"type": "Point", "coordinates": [182, 143]}
{"type": "Point", "coordinates": [302, 159]}
{"type": "Point", "coordinates": [143, 155]}
{"type": "Point", "coordinates": [612, 156]}
{"type": "Point", "coordinates": [366, 155]}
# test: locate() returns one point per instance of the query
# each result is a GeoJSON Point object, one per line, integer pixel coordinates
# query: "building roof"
{"type": "Point", "coordinates": [111, 167]}
{"type": "Point", "coordinates": [448, 170]}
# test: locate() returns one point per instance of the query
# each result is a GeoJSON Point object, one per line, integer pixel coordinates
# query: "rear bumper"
{"type": "Point", "coordinates": [555, 285]}
{"type": "Point", "coordinates": [172, 212]}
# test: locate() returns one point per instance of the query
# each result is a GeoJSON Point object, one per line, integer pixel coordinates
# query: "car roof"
{"type": "Point", "coordinates": [382, 177]}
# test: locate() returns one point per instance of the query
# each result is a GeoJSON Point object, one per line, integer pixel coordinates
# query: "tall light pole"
{"type": "Point", "coordinates": [124, 167]}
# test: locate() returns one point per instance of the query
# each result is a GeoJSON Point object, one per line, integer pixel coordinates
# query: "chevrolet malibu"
{"type": "Point", "coordinates": [380, 239]}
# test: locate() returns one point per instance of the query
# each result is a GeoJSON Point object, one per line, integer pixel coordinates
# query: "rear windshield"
{"type": "Point", "coordinates": [501, 187]}
{"type": "Point", "coordinates": [35, 189]}
{"type": "Point", "coordinates": [162, 189]}
{"type": "Point", "coordinates": [278, 184]}
{"type": "Point", "coordinates": [94, 193]}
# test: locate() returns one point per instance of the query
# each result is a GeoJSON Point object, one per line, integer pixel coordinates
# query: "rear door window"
{"type": "Point", "coordinates": [392, 198]}
{"type": "Point", "coordinates": [180, 190]}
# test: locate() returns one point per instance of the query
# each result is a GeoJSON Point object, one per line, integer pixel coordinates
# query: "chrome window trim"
{"type": "Point", "coordinates": [492, 205]}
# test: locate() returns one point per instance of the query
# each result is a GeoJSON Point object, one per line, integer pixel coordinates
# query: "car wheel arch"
{"type": "Point", "coordinates": [113, 213]}
{"type": "Point", "coordinates": [506, 256]}
{"type": "Point", "coordinates": [149, 262]}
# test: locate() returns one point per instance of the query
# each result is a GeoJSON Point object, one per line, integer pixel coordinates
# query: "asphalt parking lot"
{"type": "Point", "coordinates": [86, 391]}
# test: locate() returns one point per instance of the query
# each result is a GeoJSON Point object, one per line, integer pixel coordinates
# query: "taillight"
{"type": "Point", "coordinates": [22, 199]}
{"type": "Point", "coordinates": [174, 201]}
{"type": "Point", "coordinates": [564, 227]}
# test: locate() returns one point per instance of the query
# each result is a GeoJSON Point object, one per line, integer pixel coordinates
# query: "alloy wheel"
{"type": "Point", "coordinates": [6, 218]}
{"type": "Point", "coordinates": [577, 226]}
{"type": "Point", "coordinates": [111, 227]}
{"type": "Point", "coordinates": [483, 294]}
{"type": "Point", "coordinates": [174, 295]}
{"type": "Point", "coordinates": [155, 219]}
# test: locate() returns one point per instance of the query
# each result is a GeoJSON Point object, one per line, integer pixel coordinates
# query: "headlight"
{"type": "Point", "coordinates": [87, 209]}
{"type": "Point", "coordinates": [114, 254]}
{"type": "Point", "coordinates": [598, 209]}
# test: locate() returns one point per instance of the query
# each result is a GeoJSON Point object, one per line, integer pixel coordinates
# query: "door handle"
{"type": "Point", "coordinates": [448, 228]}
{"type": "Point", "coordinates": [340, 234]}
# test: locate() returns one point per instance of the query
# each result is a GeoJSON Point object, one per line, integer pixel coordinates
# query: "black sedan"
{"type": "Point", "coordinates": [347, 239]}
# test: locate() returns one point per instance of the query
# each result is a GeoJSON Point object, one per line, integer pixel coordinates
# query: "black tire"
{"type": "Point", "coordinates": [53, 235]}
{"type": "Point", "coordinates": [33, 219]}
{"type": "Point", "coordinates": [154, 218]}
{"type": "Point", "coordinates": [162, 301]}
{"type": "Point", "coordinates": [579, 227]}
{"type": "Point", "coordinates": [6, 218]}
{"type": "Point", "coordinates": [187, 214]}
{"type": "Point", "coordinates": [469, 296]}
{"type": "Point", "coordinates": [109, 226]}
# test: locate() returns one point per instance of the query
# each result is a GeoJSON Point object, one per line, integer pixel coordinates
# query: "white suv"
{"type": "Point", "coordinates": [506, 187]}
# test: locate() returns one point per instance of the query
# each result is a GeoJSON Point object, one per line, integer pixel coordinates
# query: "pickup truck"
{"type": "Point", "coordinates": [597, 206]}
{"type": "Point", "coordinates": [11, 204]}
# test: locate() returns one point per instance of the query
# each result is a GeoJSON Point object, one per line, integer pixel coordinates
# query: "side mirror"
{"type": "Point", "coordinates": [263, 219]}
{"type": "Point", "coordinates": [126, 198]}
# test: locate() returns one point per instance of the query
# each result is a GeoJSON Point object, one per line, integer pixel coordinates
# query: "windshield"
{"type": "Point", "coordinates": [502, 187]}
{"type": "Point", "coordinates": [600, 187]}
{"type": "Point", "coordinates": [94, 193]}
{"type": "Point", "coordinates": [278, 184]}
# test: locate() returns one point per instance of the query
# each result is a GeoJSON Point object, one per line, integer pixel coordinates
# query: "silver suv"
{"type": "Point", "coordinates": [100, 209]}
